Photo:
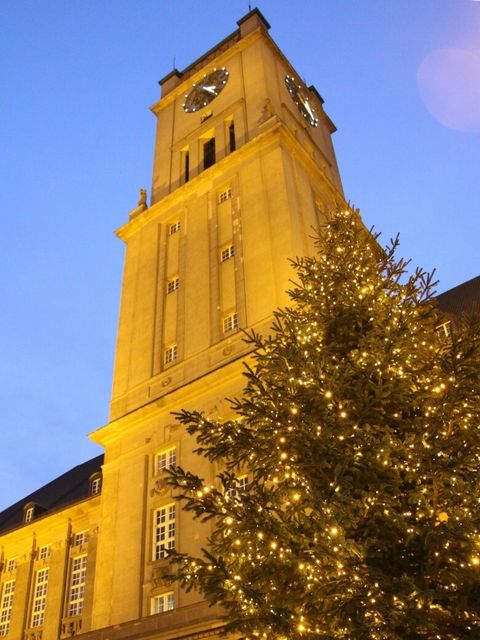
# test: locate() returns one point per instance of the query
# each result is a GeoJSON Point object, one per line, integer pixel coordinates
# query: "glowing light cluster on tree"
{"type": "Point", "coordinates": [360, 434]}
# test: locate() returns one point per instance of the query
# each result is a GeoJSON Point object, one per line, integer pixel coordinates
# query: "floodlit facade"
{"type": "Point", "coordinates": [244, 168]}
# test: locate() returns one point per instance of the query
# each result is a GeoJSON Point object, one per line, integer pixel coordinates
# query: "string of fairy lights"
{"type": "Point", "coordinates": [359, 434]}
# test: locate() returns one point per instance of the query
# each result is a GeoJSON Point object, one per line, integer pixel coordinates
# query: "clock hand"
{"type": "Point", "coordinates": [309, 109]}
{"type": "Point", "coordinates": [209, 89]}
{"type": "Point", "coordinates": [307, 106]}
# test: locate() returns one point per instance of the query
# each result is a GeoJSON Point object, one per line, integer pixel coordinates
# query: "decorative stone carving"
{"type": "Point", "coordinates": [166, 382]}
{"type": "Point", "coordinates": [161, 486]}
{"type": "Point", "coordinates": [159, 574]}
{"type": "Point", "coordinates": [70, 627]}
{"type": "Point", "coordinates": [267, 111]}
{"type": "Point", "coordinates": [142, 200]}
{"type": "Point", "coordinates": [141, 206]}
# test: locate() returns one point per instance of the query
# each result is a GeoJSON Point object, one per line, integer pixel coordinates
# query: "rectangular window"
{"type": "Point", "coordinates": [80, 538]}
{"type": "Point", "coordinates": [174, 227]}
{"type": "Point", "coordinates": [163, 531]}
{"type": "Point", "coordinates": [173, 284]}
{"type": "Point", "coordinates": [225, 195]}
{"type": "Point", "coordinates": [166, 459]}
{"type": "Point", "coordinates": [76, 590]}
{"type": "Point", "coordinates": [227, 253]}
{"type": "Point", "coordinates": [240, 485]}
{"type": "Point", "coordinates": [162, 603]}
{"type": "Point", "coordinates": [171, 354]}
{"type": "Point", "coordinates": [44, 552]}
{"type": "Point", "coordinates": [209, 153]}
{"type": "Point", "coordinates": [231, 137]}
{"type": "Point", "coordinates": [39, 598]}
{"type": "Point", "coordinates": [28, 515]}
{"type": "Point", "coordinates": [11, 565]}
{"type": "Point", "coordinates": [6, 604]}
{"type": "Point", "coordinates": [230, 323]}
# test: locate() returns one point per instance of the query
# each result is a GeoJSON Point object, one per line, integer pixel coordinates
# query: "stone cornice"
{"type": "Point", "coordinates": [276, 132]}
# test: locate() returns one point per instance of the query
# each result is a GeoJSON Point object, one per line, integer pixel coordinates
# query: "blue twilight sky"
{"type": "Point", "coordinates": [400, 79]}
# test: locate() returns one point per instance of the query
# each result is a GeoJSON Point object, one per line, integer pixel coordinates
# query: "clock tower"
{"type": "Point", "coordinates": [244, 169]}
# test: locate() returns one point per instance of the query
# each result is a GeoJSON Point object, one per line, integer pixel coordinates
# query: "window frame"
{"type": "Point", "coordinates": [80, 538]}
{"type": "Point", "coordinates": [96, 484]}
{"type": "Point", "coordinates": [76, 585]}
{"type": "Point", "coordinates": [168, 602]}
{"type": "Point", "coordinates": [44, 552]}
{"type": "Point", "coordinates": [6, 606]}
{"type": "Point", "coordinates": [11, 565]}
{"type": "Point", "coordinates": [173, 284]}
{"type": "Point", "coordinates": [28, 515]}
{"type": "Point", "coordinates": [169, 455]}
{"type": "Point", "coordinates": [164, 530]}
{"type": "Point", "coordinates": [39, 599]}
{"type": "Point", "coordinates": [225, 195]}
{"type": "Point", "coordinates": [170, 354]}
{"type": "Point", "coordinates": [227, 253]}
{"type": "Point", "coordinates": [230, 322]}
{"type": "Point", "coordinates": [444, 332]}
{"type": "Point", "coordinates": [174, 227]}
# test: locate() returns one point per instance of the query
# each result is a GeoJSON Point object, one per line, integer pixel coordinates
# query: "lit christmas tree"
{"type": "Point", "coordinates": [349, 504]}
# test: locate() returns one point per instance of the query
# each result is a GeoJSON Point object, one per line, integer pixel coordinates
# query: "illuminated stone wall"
{"type": "Point", "coordinates": [208, 257]}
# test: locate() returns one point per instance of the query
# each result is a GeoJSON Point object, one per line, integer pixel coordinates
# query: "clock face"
{"type": "Point", "coordinates": [298, 95]}
{"type": "Point", "coordinates": [205, 90]}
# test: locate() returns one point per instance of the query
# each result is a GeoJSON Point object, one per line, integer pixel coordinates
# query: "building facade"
{"type": "Point", "coordinates": [244, 168]}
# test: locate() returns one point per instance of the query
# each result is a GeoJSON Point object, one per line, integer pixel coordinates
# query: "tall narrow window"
{"type": "Point", "coordinates": [76, 590]}
{"type": "Point", "coordinates": [231, 137]}
{"type": "Point", "coordinates": [6, 604]}
{"type": "Point", "coordinates": [28, 516]}
{"type": "Point", "coordinates": [161, 603]}
{"type": "Point", "coordinates": [39, 598]}
{"type": "Point", "coordinates": [209, 153]}
{"type": "Point", "coordinates": [186, 166]}
{"type": "Point", "coordinates": [163, 531]}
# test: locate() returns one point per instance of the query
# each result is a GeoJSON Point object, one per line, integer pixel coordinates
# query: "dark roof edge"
{"type": "Point", "coordinates": [234, 36]}
{"type": "Point", "coordinates": [49, 497]}
{"type": "Point", "coordinates": [467, 283]}
{"type": "Point", "coordinates": [251, 13]}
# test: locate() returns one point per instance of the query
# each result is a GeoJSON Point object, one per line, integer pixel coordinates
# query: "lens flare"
{"type": "Point", "coordinates": [449, 84]}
